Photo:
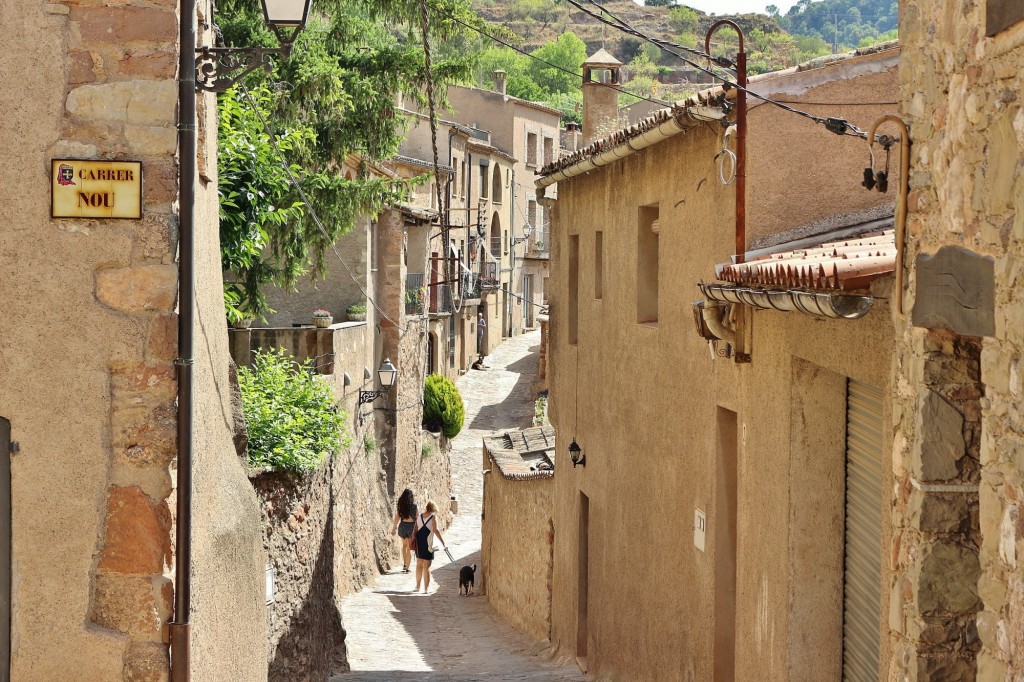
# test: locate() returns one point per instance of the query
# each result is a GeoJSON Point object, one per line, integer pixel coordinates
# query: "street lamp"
{"type": "Point", "coordinates": [527, 231]}
{"type": "Point", "coordinates": [219, 68]}
{"type": "Point", "coordinates": [386, 374]}
{"type": "Point", "coordinates": [576, 455]}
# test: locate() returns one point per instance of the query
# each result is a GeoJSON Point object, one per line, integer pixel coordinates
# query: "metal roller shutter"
{"type": "Point", "coordinates": [862, 580]}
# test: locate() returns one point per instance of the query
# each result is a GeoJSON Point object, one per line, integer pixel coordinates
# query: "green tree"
{"type": "Point", "coordinates": [567, 52]}
{"type": "Point", "coordinates": [333, 100]}
{"type": "Point", "coordinates": [642, 82]}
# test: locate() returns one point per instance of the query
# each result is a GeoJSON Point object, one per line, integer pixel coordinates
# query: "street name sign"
{"type": "Point", "coordinates": [95, 189]}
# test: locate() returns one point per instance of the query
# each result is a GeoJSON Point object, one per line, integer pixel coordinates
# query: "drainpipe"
{"type": "Point", "coordinates": [901, 203]}
{"type": "Point", "coordinates": [179, 627]}
{"type": "Point", "coordinates": [741, 136]}
{"type": "Point", "coordinates": [712, 312]}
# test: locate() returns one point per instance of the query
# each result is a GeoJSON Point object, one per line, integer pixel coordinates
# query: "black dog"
{"type": "Point", "coordinates": [466, 579]}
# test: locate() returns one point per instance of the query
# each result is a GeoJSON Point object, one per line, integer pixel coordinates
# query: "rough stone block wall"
{"type": "Point", "coordinates": [93, 497]}
{"type": "Point", "coordinates": [517, 550]}
{"type": "Point", "coordinates": [961, 96]}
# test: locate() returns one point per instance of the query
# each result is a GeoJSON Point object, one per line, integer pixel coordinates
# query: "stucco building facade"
{"type": "Point", "coordinates": [529, 132]}
{"type": "Point", "coordinates": [716, 496]}
{"type": "Point", "coordinates": [92, 411]}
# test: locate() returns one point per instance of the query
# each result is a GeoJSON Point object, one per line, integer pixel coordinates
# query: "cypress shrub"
{"type": "Point", "coordinates": [443, 409]}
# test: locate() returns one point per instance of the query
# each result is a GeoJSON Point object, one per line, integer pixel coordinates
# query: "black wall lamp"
{"type": "Point", "coordinates": [386, 373]}
{"type": "Point", "coordinates": [576, 454]}
{"type": "Point", "coordinates": [219, 68]}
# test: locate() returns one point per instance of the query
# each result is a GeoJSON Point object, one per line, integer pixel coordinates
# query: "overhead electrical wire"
{"type": "Point", "coordinates": [836, 125]}
{"type": "Point", "coordinates": [574, 74]}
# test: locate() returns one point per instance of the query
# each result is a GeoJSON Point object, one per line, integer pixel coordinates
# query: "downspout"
{"type": "Point", "coordinates": [741, 135]}
{"type": "Point", "coordinates": [712, 313]}
{"type": "Point", "coordinates": [179, 628]}
{"type": "Point", "coordinates": [901, 202]}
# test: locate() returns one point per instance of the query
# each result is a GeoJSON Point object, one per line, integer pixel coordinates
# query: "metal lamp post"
{"type": "Point", "coordinates": [219, 68]}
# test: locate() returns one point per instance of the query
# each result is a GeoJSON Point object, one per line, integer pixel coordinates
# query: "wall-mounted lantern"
{"type": "Point", "coordinates": [386, 374]}
{"type": "Point", "coordinates": [576, 455]}
{"type": "Point", "coordinates": [527, 231]}
{"type": "Point", "coordinates": [219, 68]}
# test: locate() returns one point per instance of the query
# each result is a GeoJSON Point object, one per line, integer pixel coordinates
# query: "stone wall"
{"type": "Point", "coordinates": [517, 549]}
{"type": "Point", "coordinates": [336, 290]}
{"type": "Point", "coordinates": [93, 490]}
{"type": "Point", "coordinates": [961, 98]}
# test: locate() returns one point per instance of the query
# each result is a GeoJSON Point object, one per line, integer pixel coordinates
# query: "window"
{"type": "Point", "coordinates": [647, 266]}
{"type": "Point", "coordinates": [455, 165]}
{"type": "Point", "coordinates": [531, 213]}
{"type": "Point", "coordinates": [496, 185]}
{"type": "Point", "coordinates": [598, 265]}
{"type": "Point", "coordinates": [574, 277]}
{"type": "Point", "coordinates": [549, 150]}
{"type": "Point", "coordinates": [1002, 14]}
{"type": "Point", "coordinates": [465, 182]}
{"type": "Point", "coordinates": [483, 181]}
{"type": "Point", "coordinates": [531, 149]}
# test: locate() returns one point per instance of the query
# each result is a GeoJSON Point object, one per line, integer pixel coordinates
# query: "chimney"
{"type": "Point", "coordinates": [571, 136]}
{"type": "Point", "coordinates": [499, 82]}
{"type": "Point", "coordinates": [600, 102]}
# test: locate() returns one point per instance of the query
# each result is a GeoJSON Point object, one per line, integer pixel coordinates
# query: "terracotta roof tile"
{"type": "Point", "coordinates": [523, 453]}
{"type": "Point", "coordinates": [845, 265]}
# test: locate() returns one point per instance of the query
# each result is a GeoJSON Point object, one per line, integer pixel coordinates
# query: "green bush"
{"type": "Point", "coordinates": [290, 413]}
{"type": "Point", "coordinates": [442, 406]}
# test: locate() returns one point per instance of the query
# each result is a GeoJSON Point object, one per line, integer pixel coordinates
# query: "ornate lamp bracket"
{"type": "Point", "coordinates": [219, 68]}
{"type": "Point", "coordinates": [369, 396]}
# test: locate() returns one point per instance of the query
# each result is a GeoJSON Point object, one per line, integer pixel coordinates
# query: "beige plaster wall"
{"type": "Point", "coordinates": [517, 552]}
{"type": "Point", "coordinates": [229, 618]}
{"type": "Point", "coordinates": [960, 95]}
{"type": "Point", "coordinates": [643, 406]}
{"type": "Point", "coordinates": [94, 411]}
{"type": "Point", "coordinates": [823, 171]}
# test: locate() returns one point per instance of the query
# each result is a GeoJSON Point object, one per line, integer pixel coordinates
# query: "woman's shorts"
{"type": "Point", "coordinates": [405, 529]}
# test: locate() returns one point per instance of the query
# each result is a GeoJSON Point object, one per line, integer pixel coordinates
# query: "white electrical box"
{"type": "Point", "coordinates": [700, 528]}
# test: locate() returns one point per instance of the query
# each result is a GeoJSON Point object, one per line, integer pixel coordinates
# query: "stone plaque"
{"type": "Point", "coordinates": [95, 189]}
{"type": "Point", "coordinates": [955, 291]}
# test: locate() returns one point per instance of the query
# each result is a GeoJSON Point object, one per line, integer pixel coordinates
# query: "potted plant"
{"type": "Point", "coordinates": [322, 318]}
{"type": "Point", "coordinates": [242, 323]}
{"type": "Point", "coordinates": [356, 312]}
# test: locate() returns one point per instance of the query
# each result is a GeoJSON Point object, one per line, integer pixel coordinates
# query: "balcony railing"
{"type": "Point", "coordinates": [489, 276]}
{"type": "Point", "coordinates": [415, 294]}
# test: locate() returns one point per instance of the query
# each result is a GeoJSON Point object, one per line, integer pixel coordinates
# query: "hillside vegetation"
{"type": "Point", "coordinates": [557, 32]}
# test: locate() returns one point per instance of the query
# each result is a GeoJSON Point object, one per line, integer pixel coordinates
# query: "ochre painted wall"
{"type": "Point", "coordinates": [517, 549]}
{"type": "Point", "coordinates": [643, 402]}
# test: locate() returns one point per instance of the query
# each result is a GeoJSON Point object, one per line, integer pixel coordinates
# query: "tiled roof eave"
{"type": "Point", "coordinates": [669, 122]}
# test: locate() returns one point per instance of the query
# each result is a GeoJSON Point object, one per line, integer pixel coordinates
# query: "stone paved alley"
{"type": "Point", "coordinates": [394, 634]}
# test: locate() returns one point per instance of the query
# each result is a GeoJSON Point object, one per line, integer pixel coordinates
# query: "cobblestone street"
{"type": "Point", "coordinates": [394, 634]}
